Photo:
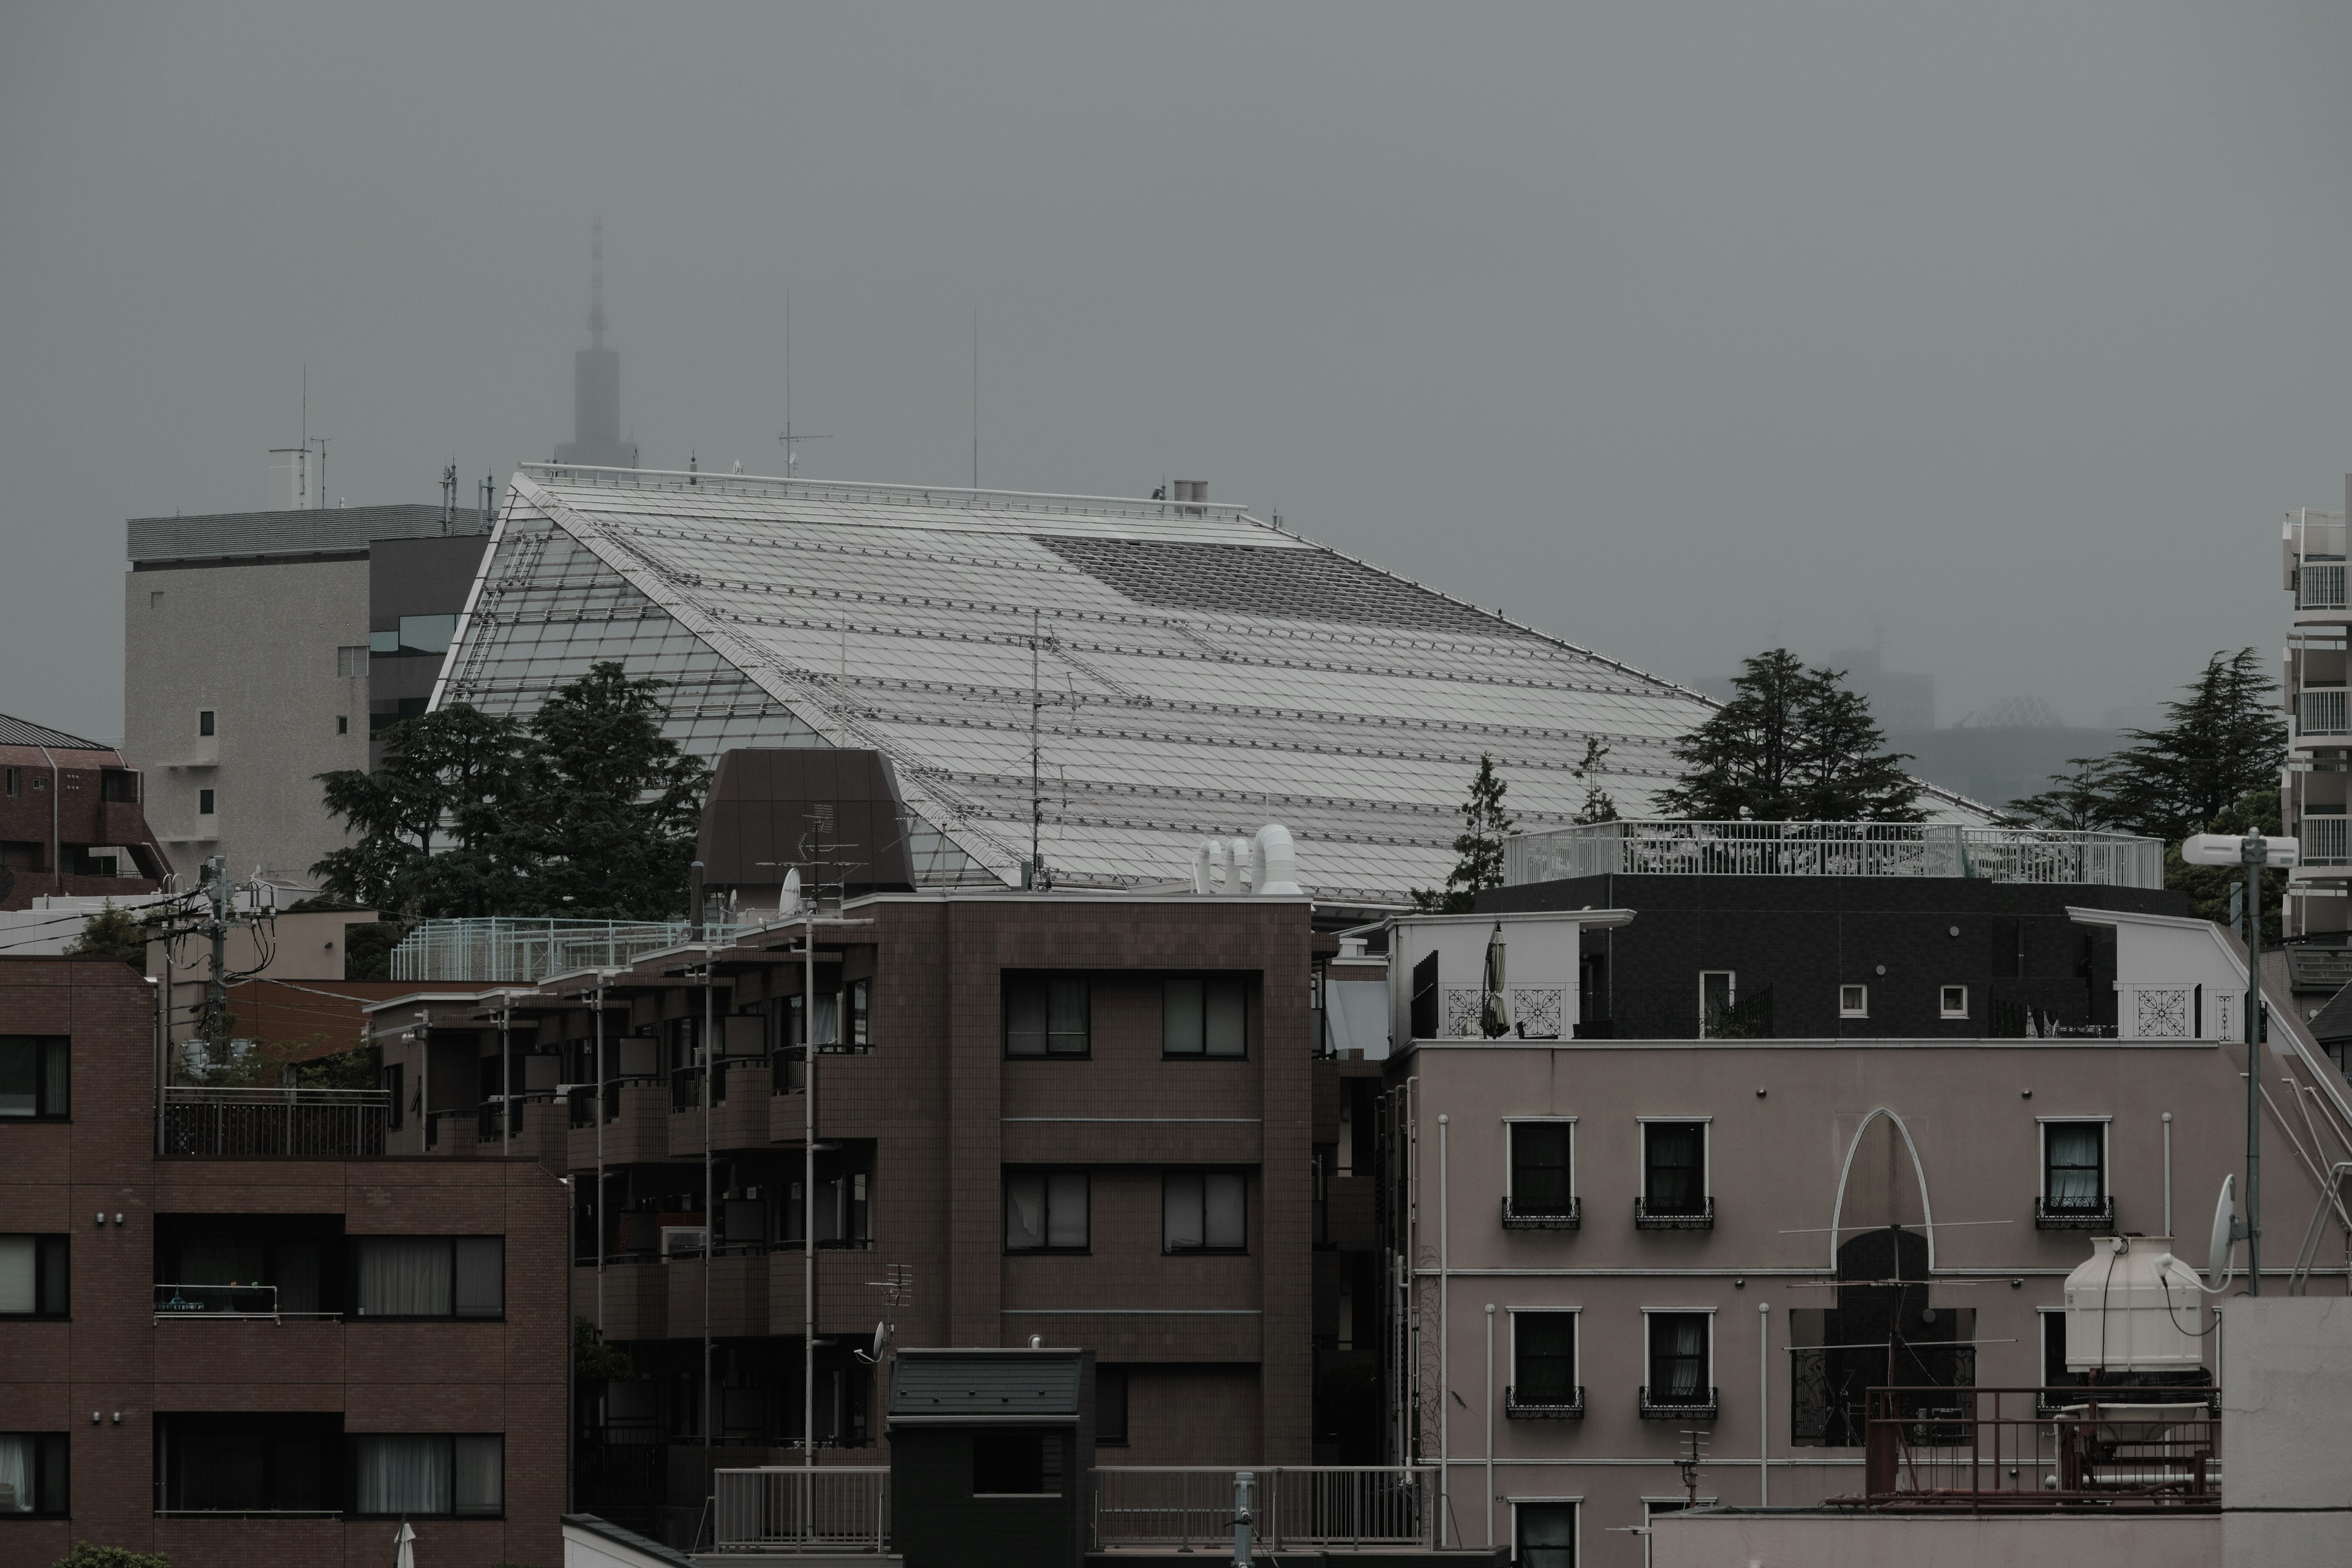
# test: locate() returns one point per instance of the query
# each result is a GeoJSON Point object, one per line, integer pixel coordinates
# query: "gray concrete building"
{"type": "Point", "coordinates": [247, 663]}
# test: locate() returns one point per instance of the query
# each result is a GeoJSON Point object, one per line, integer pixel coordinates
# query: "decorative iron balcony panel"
{"type": "Point", "coordinates": [2061, 1215]}
{"type": "Point", "coordinates": [1665, 1405]}
{"type": "Point", "coordinates": [1674, 1217]}
{"type": "Point", "coordinates": [1571, 1219]}
{"type": "Point", "coordinates": [1517, 1405]}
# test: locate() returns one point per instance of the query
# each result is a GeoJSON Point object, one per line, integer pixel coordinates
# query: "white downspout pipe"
{"type": "Point", "coordinates": [1490, 1424]}
{"type": "Point", "coordinates": [1764, 1403]}
{"type": "Point", "coordinates": [1445, 1352]}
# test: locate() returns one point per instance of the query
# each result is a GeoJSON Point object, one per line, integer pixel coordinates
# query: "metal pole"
{"type": "Point", "coordinates": [1490, 1424]}
{"type": "Point", "coordinates": [2254, 853]}
{"type": "Point", "coordinates": [599, 1114]}
{"type": "Point", "coordinates": [506, 1075]}
{"type": "Point", "coordinates": [1763, 1404]}
{"type": "Point", "coordinates": [710, 1211]}
{"type": "Point", "coordinates": [808, 1188]}
{"type": "Point", "coordinates": [1037, 800]}
{"type": "Point", "coordinates": [424, 1079]}
{"type": "Point", "coordinates": [2167, 1172]}
{"type": "Point", "coordinates": [1243, 1518]}
{"type": "Point", "coordinates": [1445, 1350]}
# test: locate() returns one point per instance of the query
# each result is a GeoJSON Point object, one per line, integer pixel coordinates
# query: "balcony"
{"type": "Point", "coordinates": [1536, 1011]}
{"type": "Point", "coordinates": [1666, 847]}
{"type": "Point", "coordinates": [1680, 1405]}
{"type": "Point", "coordinates": [788, 1508]}
{"type": "Point", "coordinates": [2074, 1214]}
{"type": "Point", "coordinates": [2321, 840]}
{"type": "Point", "coordinates": [201, 1122]}
{"type": "Point", "coordinates": [1302, 1507]}
{"type": "Point", "coordinates": [1519, 1405]}
{"type": "Point", "coordinates": [220, 1303]}
{"type": "Point", "coordinates": [2319, 585]}
{"type": "Point", "coordinates": [2320, 711]}
{"type": "Point", "coordinates": [1676, 1214]}
{"type": "Point", "coordinates": [1570, 1218]}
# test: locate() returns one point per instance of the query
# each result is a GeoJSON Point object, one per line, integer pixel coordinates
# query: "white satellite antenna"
{"type": "Point", "coordinates": [2226, 1234]}
{"type": "Point", "coordinates": [881, 1343]}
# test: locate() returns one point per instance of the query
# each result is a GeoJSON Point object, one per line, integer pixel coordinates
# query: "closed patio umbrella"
{"type": "Point", "coordinates": [1495, 1014]}
{"type": "Point", "coordinates": [403, 1547]}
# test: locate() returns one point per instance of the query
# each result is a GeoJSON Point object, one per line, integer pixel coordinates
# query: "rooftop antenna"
{"type": "Point", "coordinates": [1030, 877]}
{"type": "Point", "coordinates": [597, 282]}
{"type": "Point", "coordinates": [792, 442]}
{"type": "Point", "coordinates": [321, 442]}
{"type": "Point", "coordinates": [975, 401]}
{"type": "Point", "coordinates": [448, 496]}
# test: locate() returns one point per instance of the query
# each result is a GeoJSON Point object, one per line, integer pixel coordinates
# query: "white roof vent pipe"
{"type": "Point", "coordinates": [1221, 866]}
{"type": "Point", "coordinates": [1204, 858]}
{"type": "Point", "coordinates": [1244, 851]}
{"type": "Point", "coordinates": [1274, 863]}
{"type": "Point", "coordinates": [2131, 1306]}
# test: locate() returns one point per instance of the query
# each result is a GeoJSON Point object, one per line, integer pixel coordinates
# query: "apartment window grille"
{"type": "Point", "coordinates": [1204, 1018]}
{"type": "Point", "coordinates": [32, 1277]}
{"type": "Point", "coordinates": [2322, 711]}
{"type": "Point", "coordinates": [36, 1072]}
{"type": "Point", "coordinates": [1047, 1015]}
{"type": "Point", "coordinates": [2075, 1176]}
{"type": "Point", "coordinates": [1203, 1212]}
{"type": "Point", "coordinates": [352, 661]}
{"type": "Point", "coordinates": [204, 802]}
{"type": "Point", "coordinates": [1952, 1002]}
{"type": "Point", "coordinates": [410, 1475]}
{"type": "Point", "coordinates": [33, 1468]}
{"type": "Point", "coordinates": [1547, 1534]}
{"type": "Point", "coordinates": [1680, 1366]}
{"type": "Point", "coordinates": [1853, 1001]}
{"type": "Point", "coordinates": [203, 720]}
{"type": "Point", "coordinates": [1673, 1175]}
{"type": "Point", "coordinates": [430, 1275]}
{"type": "Point", "coordinates": [1542, 1191]}
{"type": "Point", "coordinates": [2319, 585]}
{"type": "Point", "coordinates": [1543, 1366]}
{"type": "Point", "coordinates": [1045, 1211]}
{"type": "Point", "coordinates": [1110, 1406]}
{"type": "Point", "coordinates": [2323, 838]}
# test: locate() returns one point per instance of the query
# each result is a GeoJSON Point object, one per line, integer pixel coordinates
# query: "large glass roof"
{"type": "Point", "coordinates": [1197, 671]}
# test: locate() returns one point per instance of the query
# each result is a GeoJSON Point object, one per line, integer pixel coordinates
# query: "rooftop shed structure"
{"type": "Point", "coordinates": [1197, 671]}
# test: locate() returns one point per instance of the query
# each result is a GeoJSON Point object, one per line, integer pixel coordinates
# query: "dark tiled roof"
{"type": "Point", "coordinates": [2333, 1022]}
{"type": "Point", "coordinates": [23, 732]}
{"type": "Point", "coordinates": [288, 532]}
{"type": "Point", "coordinates": [995, 1384]}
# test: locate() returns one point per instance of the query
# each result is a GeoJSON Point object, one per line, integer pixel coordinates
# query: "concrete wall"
{"type": "Point", "coordinates": [1830, 1540]}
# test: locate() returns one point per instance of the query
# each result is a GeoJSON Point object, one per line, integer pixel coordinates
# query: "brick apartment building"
{"type": "Point", "coordinates": [71, 821]}
{"type": "Point", "coordinates": [233, 1355]}
{"type": "Point", "coordinates": [1108, 1120]}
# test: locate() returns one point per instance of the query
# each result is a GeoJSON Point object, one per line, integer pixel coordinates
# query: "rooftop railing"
{"type": "Point", "coordinates": [524, 952]}
{"type": "Point", "coordinates": [1300, 1507]}
{"type": "Point", "coordinates": [789, 1508]}
{"type": "Point", "coordinates": [2095, 1450]}
{"type": "Point", "coordinates": [1668, 848]}
{"type": "Point", "coordinates": [201, 1121]}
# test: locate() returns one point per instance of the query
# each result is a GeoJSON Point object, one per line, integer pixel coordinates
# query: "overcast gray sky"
{"type": "Point", "coordinates": [2007, 332]}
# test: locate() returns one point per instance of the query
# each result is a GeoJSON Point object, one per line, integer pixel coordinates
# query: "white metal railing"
{"type": "Point", "coordinates": [216, 1301]}
{"type": "Point", "coordinates": [308, 1124]}
{"type": "Point", "coordinates": [2321, 710]}
{"type": "Point", "coordinates": [1297, 1507]}
{"type": "Point", "coordinates": [2319, 585]}
{"type": "Point", "coordinates": [1668, 848]}
{"type": "Point", "coordinates": [509, 948]}
{"type": "Point", "coordinates": [2321, 842]}
{"type": "Point", "coordinates": [787, 1508]}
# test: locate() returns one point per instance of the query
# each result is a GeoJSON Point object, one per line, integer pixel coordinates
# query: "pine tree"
{"type": "Point", "coordinates": [426, 823]}
{"type": "Point", "coordinates": [1478, 849]}
{"type": "Point", "coordinates": [1792, 745]}
{"type": "Point", "coordinates": [112, 933]}
{"type": "Point", "coordinates": [2081, 800]}
{"type": "Point", "coordinates": [2226, 738]}
{"type": "Point", "coordinates": [1598, 805]}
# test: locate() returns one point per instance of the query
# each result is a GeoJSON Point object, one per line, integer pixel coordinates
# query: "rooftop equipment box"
{"type": "Point", "coordinates": [991, 1455]}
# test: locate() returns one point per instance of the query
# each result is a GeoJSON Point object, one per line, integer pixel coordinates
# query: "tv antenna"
{"type": "Point", "coordinates": [790, 442]}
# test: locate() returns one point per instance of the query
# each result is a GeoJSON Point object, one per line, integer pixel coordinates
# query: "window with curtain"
{"type": "Point", "coordinates": [860, 995]}
{"type": "Point", "coordinates": [1540, 1184]}
{"type": "Point", "coordinates": [1678, 1368]}
{"type": "Point", "coordinates": [828, 1020]}
{"type": "Point", "coordinates": [1045, 1211]}
{"type": "Point", "coordinates": [32, 1472]}
{"type": "Point", "coordinates": [1203, 1211]}
{"type": "Point", "coordinates": [418, 1474]}
{"type": "Point", "coordinates": [1546, 1533]}
{"type": "Point", "coordinates": [33, 1276]}
{"type": "Point", "coordinates": [1543, 1358]}
{"type": "Point", "coordinates": [35, 1074]}
{"type": "Point", "coordinates": [1047, 1015]}
{"type": "Point", "coordinates": [2073, 1155]}
{"type": "Point", "coordinates": [430, 1275]}
{"type": "Point", "coordinates": [1673, 1166]}
{"type": "Point", "coordinates": [1204, 1017]}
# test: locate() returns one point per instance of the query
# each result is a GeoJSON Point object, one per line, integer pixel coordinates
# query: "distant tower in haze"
{"type": "Point", "coordinates": [596, 381]}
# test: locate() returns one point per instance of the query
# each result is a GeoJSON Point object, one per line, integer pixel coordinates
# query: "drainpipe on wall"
{"type": "Point", "coordinates": [56, 857]}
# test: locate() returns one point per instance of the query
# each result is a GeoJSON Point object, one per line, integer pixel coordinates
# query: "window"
{"type": "Point", "coordinates": [32, 1276]}
{"type": "Point", "coordinates": [1547, 1534]}
{"type": "Point", "coordinates": [426, 633]}
{"type": "Point", "coordinates": [2054, 1373]}
{"type": "Point", "coordinates": [203, 721]}
{"type": "Point", "coordinates": [32, 1472]}
{"type": "Point", "coordinates": [351, 662]}
{"type": "Point", "coordinates": [342, 723]}
{"type": "Point", "coordinates": [156, 598]}
{"type": "Point", "coordinates": [1204, 1018]}
{"type": "Point", "coordinates": [1110, 1406]}
{"type": "Point", "coordinates": [1543, 1359]}
{"type": "Point", "coordinates": [430, 1275]}
{"type": "Point", "coordinates": [1543, 1179]}
{"type": "Point", "coordinates": [1203, 1211]}
{"type": "Point", "coordinates": [2074, 1164]}
{"type": "Point", "coordinates": [384, 643]}
{"type": "Point", "coordinates": [16, 781]}
{"type": "Point", "coordinates": [1954, 1001]}
{"type": "Point", "coordinates": [1017, 1464]}
{"type": "Point", "coordinates": [1045, 1211]}
{"type": "Point", "coordinates": [1718, 989]}
{"type": "Point", "coordinates": [414, 1474]}
{"type": "Point", "coordinates": [118, 784]}
{"type": "Point", "coordinates": [1678, 1359]}
{"type": "Point", "coordinates": [204, 802]}
{"type": "Point", "coordinates": [1674, 1167]}
{"type": "Point", "coordinates": [1424, 999]}
{"type": "Point", "coordinates": [1853, 1001]}
{"type": "Point", "coordinates": [860, 997]}
{"type": "Point", "coordinates": [250, 1462]}
{"type": "Point", "coordinates": [828, 1020]}
{"type": "Point", "coordinates": [35, 1070]}
{"type": "Point", "coordinates": [1045, 1015]}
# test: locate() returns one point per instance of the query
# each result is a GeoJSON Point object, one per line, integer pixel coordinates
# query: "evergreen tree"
{"type": "Point", "coordinates": [1792, 745]}
{"type": "Point", "coordinates": [2226, 737]}
{"type": "Point", "coordinates": [425, 824]}
{"type": "Point", "coordinates": [89, 1554]}
{"type": "Point", "coordinates": [2081, 801]}
{"type": "Point", "coordinates": [112, 933]}
{"type": "Point", "coordinates": [1478, 849]}
{"type": "Point", "coordinates": [1598, 805]}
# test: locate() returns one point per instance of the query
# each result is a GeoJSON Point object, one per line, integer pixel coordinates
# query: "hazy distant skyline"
{"type": "Point", "coordinates": [2006, 332]}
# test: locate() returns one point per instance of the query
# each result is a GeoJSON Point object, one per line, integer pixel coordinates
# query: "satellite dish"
{"type": "Point", "coordinates": [881, 1344]}
{"type": "Point", "coordinates": [2225, 1232]}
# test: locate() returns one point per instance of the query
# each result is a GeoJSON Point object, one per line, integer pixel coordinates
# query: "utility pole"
{"type": "Point", "coordinates": [2255, 854]}
{"type": "Point", "coordinates": [1036, 801]}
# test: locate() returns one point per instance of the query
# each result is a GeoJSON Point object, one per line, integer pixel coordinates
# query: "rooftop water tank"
{"type": "Point", "coordinates": [2131, 1306]}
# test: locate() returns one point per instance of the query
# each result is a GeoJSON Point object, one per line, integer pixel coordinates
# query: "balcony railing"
{"type": "Point", "coordinates": [527, 950]}
{"type": "Point", "coordinates": [1185, 1508]}
{"type": "Point", "coordinates": [1668, 848]}
{"type": "Point", "coordinates": [2319, 585]}
{"type": "Point", "coordinates": [2322, 841]}
{"type": "Point", "coordinates": [829, 1507]}
{"type": "Point", "coordinates": [1537, 1011]}
{"type": "Point", "coordinates": [1671, 1404]}
{"type": "Point", "coordinates": [217, 1301]}
{"type": "Point", "coordinates": [1521, 1218]}
{"type": "Point", "coordinates": [2322, 711]}
{"type": "Point", "coordinates": [295, 1123]}
{"type": "Point", "coordinates": [1519, 1405]}
{"type": "Point", "coordinates": [2116, 1449]}
{"type": "Point", "coordinates": [2074, 1214]}
{"type": "Point", "coordinates": [1673, 1214]}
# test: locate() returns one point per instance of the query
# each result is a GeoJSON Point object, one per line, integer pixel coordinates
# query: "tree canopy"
{"type": "Point", "coordinates": [587, 811]}
{"type": "Point", "coordinates": [1794, 744]}
{"type": "Point", "coordinates": [112, 933]}
{"type": "Point", "coordinates": [1477, 849]}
